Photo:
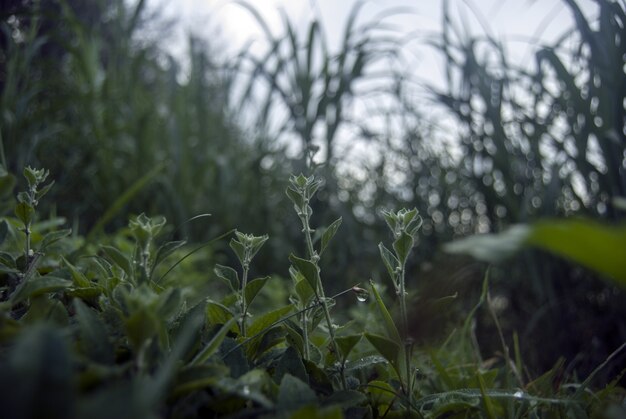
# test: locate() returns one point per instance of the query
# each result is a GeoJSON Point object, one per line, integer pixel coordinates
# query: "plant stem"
{"type": "Point", "coordinates": [244, 305]}
{"type": "Point", "coordinates": [27, 246]}
{"type": "Point", "coordinates": [305, 335]}
{"type": "Point", "coordinates": [319, 293]}
{"type": "Point", "coordinates": [405, 335]}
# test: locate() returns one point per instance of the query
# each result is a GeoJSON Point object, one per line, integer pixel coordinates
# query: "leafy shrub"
{"type": "Point", "coordinates": [103, 335]}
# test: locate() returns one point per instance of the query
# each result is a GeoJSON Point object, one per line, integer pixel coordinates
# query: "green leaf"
{"type": "Point", "coordinates": [290, 363]}
{"type": "Point", "coordinates": [80, 280]}
{"type": "Point", "coordinates": [263, 324]}
{"type": "Point", "coordinates": [596, 246]}
{"type": "Point", "coordinates": [492, 248]}
{"type": "Point", "coordinates": [403, 245]}
{"type": "Point", "coordinates": [390, 326]}
{"type": "Point", "coordinates": [307, 269]}
{"type": "Point", "coordinates": [218, 314]}
{"type": "Point", "coordinates": [390, 261]}
{"type": "Point", "coordinates": [347, 343]}
{"type": "Point", "coordinates": [329, 233]}
{"type": "Point", "coordinates": [141, 325]}
{"type": "Point", "coordinates": [228, 275]}
{"type": "Point", "coordinates": [253, 287]}
{"type": "Point", "coordinates": [295, 197]}
{"type": "Point", "coordinates": [239, 250]}
{"type": "Point", "coordinates": [24, 212]}
{"type": "Point", "coordinates": [38, 376]}
{"type": "Point", "coordinates": [31, 176]}
{"type": "Point", "coordinates": [94, 338]}
{"type": "Point", "coordinates": [304, 291]}
{"type": "Point", "coordinates": [388, 349]}
{"type": "Point", "coordinates": [266, 320]}
{"type": "Point", "coordinates": [256, 243]}
{"type": "Point", "coordinates": [214, 343]}
{"type": "Point", "coordinates": [53, 237]}
{"type": "Point", "coordinates": [293, 393]}
{"type": "Point", "coordinates": [35, 286]}
{"type": "Point", "coordinates": [119, 259]}
{"type": "Point", "coordinates": [44, 190]}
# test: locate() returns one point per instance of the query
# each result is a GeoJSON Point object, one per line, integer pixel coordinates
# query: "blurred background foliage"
{"type": "Point", "coordinates": [88, 91]}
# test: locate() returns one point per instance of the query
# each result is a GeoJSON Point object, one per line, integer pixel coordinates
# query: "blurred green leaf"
{"type": "Point", "coordinates": [38, 285]}
{"type": "Point", "coordinates": [119, 259]}
{"type": "Point", "coordinates": [589, 243]}
{"type": "Point", "coordinates": [293, 394]}
{"type": "Point", "coordinates": [24, 212]}
{"type": "Point", "coordinates": [213, 345]}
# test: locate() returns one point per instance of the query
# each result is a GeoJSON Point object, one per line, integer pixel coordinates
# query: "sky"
{"type": "Point", "coordinates": [518, 23]}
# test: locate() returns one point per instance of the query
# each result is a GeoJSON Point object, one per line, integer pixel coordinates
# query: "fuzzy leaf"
{"type": "Point", "coordinates": [35, 286]}
{"type": "Point", "coordinates": [80, 280]}
{"type": "Point", "coordinates": [295, 197]}
{"type": "Point", "coordinates": [307, 269]}
{"type": "Point", "coordinates": [253, 287]}
{"type": "Point", "coordinates": [119, 259]}
{"type": "Point", "coordinates": [403, 245]}
{"type": "Point", "coordinates": [228, 275]}
{"type": "Point", "coordinates": [53, 237]}
{"type": "Point", "coordinates": [329, 233]}
{"type": "Point", "coordinates": [24, 212]}
{"type": "Point", "coordinates": [239, 250]}
{"type": "Point", "coordinates": [390, 261]}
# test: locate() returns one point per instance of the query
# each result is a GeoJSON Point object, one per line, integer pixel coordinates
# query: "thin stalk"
{"type": "Point", "coordinates": [27, 232]}
{"type": "Point", "coordinates": [305, 335]}
{"type": "Point", "coordinates": [319, 293]}
{"type": "Point", "coordinates": [244, 305]}
{"type": "Point", "coordinates": [405, 335]}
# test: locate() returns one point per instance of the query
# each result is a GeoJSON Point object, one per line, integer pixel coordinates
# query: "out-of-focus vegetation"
{"type": "Point", "coordinates": [88, 92]}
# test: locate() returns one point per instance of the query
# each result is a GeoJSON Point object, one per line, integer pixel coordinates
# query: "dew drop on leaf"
{"type": "Point", "coordinates": [362, 294]}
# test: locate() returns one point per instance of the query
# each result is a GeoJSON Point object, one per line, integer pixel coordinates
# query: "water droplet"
{"type": "Point", "coordinates": [361, 294]}
{"type": "Point", "coordinates": [245, 390]}
{"type": "Point", "coordinates": [518, 394]}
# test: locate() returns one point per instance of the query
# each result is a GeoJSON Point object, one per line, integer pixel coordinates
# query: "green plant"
{"type": "Point", "coordinates": [300, 191]}
{"type": "Point", "coordinates": [404, 226]}
{"type": "Point", "coordinates": [245, 247]}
